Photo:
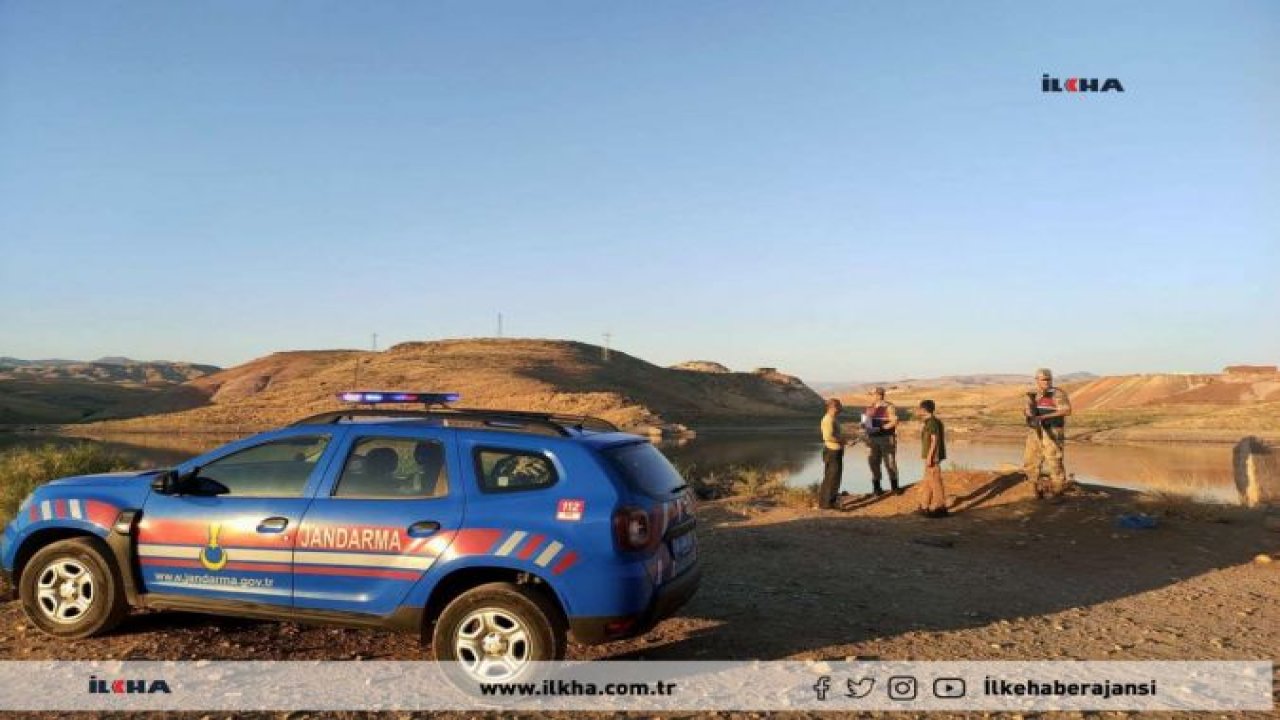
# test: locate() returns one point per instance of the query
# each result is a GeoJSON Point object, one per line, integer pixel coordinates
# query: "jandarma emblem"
{"type": "Point", "coordinates": [212, 556]}
{"type": "Point", "coordinates": [1079, 84]}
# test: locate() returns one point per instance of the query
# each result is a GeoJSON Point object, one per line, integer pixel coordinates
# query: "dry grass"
{"type": "Point", "coordinates": [25, 402]}
{"type": "Point", "coordinates": [23, 470]}
{"type": "Point", "coordinates": [753, 484]}
{"type": "Point", "coordinates": [1177, 506]}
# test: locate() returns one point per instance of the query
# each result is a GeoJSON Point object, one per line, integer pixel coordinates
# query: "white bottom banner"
{"type": "Point", "coordinates": [624, 686]}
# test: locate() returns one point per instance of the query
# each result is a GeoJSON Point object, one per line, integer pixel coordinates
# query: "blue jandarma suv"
{"type": "Point", "coordinates": [493, 533]}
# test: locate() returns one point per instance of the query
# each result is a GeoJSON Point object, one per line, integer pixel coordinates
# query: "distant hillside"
{"type": "Point", "coordinates": [12, 362]}
{"type": "Point", "coordinates": [702, 366]}
{"type": "Point", "coordinates": [69, 391]}
{"type": "Point", "coordinates": [110, 371]}
{"type": "Point", "coordinates": [1148, 390]}
{"type": "Point", "coordinates": [558, 376]}
{"type": "Point", "coordinates": [947, 381]}
{"type": "Point", "coordinates": [1160, 406]}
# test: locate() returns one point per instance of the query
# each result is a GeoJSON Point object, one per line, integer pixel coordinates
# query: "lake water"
{"type": "Point", "coordinates": [1203, 472]}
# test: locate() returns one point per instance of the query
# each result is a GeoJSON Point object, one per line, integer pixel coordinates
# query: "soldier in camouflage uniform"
{"type": "Point", "coordinates": [880, 422]}
{"type": "Point", "coordinates": [1046, 411]}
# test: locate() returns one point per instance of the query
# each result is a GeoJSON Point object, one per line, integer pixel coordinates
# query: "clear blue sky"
{"type": "Point", "coordinates": [845, 190]}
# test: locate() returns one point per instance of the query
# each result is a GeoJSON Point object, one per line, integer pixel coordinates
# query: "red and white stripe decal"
{"type": "Point", "coordinates": [100, 513]}
{"type": "Point", "coordinates": [520, 545]}
{"type": "Point", "coordinates": [357, 572]}
{"type": "Point", "coordinates": [548, 554]}
{"type": "Point", "coordinates": [179, 544]}
{"type": "Point", "coordinates": [477, 541]}
{"type": "Point", "coordinates": [276, 554]}
{"type": "Point", "coordinates": [233, 533]}
{"type": "Point", "coordinates": [530, 547]}
{"type": "Point", "coordinates": [510, 544]}
{"type": "Point", "coordinates": [566, 561]}
{"type": "Point", "coordinates": [195, 564]}
{"type": "Point", "coordinates": [94, 511]}
{"type": "Point", "coordinates": [284, 568]}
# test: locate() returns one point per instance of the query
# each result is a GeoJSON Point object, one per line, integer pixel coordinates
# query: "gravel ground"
{"type": "Point", "coordinates": [1005, 578]}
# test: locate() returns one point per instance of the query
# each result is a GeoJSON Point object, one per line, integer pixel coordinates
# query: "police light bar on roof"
{"type": "Point", "coordinates": [374, 397]}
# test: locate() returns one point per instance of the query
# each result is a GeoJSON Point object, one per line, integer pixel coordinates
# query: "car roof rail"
{"type": "Point", "coordinates": [515, 420]}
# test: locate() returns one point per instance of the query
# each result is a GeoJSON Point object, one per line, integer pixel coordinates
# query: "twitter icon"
{"type": "Point", "coordinates": [860, 688]}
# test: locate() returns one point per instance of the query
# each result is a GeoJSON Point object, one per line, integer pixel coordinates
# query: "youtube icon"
{"type": "Point", "coordinates": [948, 688]}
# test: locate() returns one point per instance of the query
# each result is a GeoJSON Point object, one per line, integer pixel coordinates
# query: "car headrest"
{"type": "Point", "coordinates": [428, 454]}
{"type": "Point", "coordinates": [381, 461]}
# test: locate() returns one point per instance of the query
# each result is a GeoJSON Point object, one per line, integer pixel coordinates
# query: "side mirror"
{"type": "Point", "coordinates": [171, 482]}
{"type": "Point", "coordinates": [206, 487]}
{"type": "Point", "coordinates": [165, 482]}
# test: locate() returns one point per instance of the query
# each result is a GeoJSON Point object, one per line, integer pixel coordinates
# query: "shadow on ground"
{"type": "Point", "coordinates": [774, 590]}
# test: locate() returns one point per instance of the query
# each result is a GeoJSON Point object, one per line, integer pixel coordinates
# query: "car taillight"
{"type": "Point", "coordinates": [633, 529]}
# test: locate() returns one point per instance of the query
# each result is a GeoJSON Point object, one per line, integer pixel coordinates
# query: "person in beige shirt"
{"type": "Point", "coordinates": [833, 444]}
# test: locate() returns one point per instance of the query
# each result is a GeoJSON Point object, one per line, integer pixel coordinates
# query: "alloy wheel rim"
{"type": "Point", "coordinates": [65, 591]}
{"type": "Point", "coordinates": [492, 644]}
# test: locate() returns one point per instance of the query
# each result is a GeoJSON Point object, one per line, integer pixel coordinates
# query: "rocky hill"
{"type": "Point", "coordinates": [706, 366]}
{"type": "Point", "coordinates": [560, 376]}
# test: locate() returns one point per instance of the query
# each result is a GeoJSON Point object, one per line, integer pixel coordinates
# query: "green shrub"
{"type": "Point", "coordinates": [749, 482]}
{"type": "Point", "coordinates": [805, 497]}
{"type": "Point", "coordinates": [23, 470]}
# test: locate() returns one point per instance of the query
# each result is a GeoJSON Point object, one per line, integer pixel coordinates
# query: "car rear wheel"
{"type": "Point", "coordinates": [70, 590]}
{"type": "Point", "coordinates": [493, 632]}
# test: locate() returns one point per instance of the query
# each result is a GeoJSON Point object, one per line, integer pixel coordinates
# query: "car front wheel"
{"type": "Point", "coordinates": [68, 589]}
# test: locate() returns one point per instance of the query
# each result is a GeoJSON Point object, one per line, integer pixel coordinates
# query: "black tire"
{"type": "Point", "coordinates": [545, 634]}
{"type": "Point", "coordinates": [94, 600]}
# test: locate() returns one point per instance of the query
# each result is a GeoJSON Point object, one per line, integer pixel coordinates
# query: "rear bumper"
{"type": "Point", "coordinates": [670, 598]}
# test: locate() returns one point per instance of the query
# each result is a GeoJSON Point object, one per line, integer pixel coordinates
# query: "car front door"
{"type": "Point", "coordinates": [386, 511]}
{"type": "Point", "coordinates": [236, 544]}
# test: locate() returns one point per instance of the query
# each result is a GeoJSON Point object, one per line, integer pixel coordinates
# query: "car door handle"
{"type": "Point", "coordinates": [423, 528]}
{"type": "Point", "coordinates": [273, 525]}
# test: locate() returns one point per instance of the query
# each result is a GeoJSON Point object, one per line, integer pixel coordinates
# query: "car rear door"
{"type": "Point", "coordinates": [385, 512]}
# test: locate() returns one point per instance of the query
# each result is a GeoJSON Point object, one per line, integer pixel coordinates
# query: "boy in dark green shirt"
{"type": "Point", "coordinates": [933, 448]}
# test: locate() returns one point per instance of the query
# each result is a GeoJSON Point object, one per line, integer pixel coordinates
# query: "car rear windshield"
{"type": "Point", "coordinates": [646, 470]}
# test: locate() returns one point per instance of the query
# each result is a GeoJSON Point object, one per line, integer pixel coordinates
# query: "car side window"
{"type": "Point", "coordinates": [513, 470]}
{"type": "Point", "coordinates": [279, 468]}
{"type": "Point", "coordinates": [394, 467]}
